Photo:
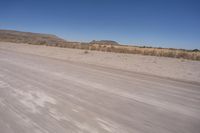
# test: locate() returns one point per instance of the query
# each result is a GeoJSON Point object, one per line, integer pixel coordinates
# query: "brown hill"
{"type": "Point", "coordinates": [28, 37]}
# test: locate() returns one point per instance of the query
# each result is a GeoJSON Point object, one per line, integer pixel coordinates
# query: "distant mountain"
{"type": "Point", "coordinates": [44, 39]}
{"type": "Point", "coordinates": [28, 37]}
{"type": "Point", "coordinates": [48, 39]}
{"type": "Point", "coordinates": [104, 42]}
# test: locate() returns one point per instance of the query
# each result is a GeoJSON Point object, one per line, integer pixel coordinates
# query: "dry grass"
{"type": "Point", "coordinates": [164, 52]}
{"type": "Point", "coordinates": [106, 46]}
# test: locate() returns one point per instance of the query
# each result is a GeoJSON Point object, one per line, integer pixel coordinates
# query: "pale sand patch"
{"type": "Point", "coordinates": [33, 99]}
{"type": "Point", "coordinates": [160, 66]}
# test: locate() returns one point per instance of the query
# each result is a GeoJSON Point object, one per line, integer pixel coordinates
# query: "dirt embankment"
{"type": "Point", "coordinates": [161, 66]}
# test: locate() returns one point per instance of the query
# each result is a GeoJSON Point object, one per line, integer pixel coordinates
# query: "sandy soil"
{"type": "Point", "coordinates": [160, 66]}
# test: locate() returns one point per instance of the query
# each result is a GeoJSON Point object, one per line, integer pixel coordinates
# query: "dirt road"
{"type": "Point", "coordinates": [46, 95]}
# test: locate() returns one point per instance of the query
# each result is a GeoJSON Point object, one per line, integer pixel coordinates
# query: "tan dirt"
{"type": "Point", "coordinates": [161, 66]}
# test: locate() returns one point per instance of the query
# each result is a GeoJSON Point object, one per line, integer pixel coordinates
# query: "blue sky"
{"type": "Point", "coordinates": [161, 23]}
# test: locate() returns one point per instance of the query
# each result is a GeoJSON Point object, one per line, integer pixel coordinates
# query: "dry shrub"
{"type": "Point", "coordinates": [86, 52]}
{"type": "Point", "coordinates": [109, 46]}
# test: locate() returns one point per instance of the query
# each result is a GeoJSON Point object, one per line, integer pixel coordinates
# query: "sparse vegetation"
{"type": "Point", "coordinates": [86, 52]}
{"type": "Point", "coordinates": [104, 45]}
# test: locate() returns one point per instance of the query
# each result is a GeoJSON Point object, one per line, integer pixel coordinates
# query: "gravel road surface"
{"type": "Point", "coordinates": [45, 95]}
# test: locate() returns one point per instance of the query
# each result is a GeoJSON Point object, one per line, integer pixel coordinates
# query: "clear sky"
{"type": "Point", "coordinates": [164, 23]}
